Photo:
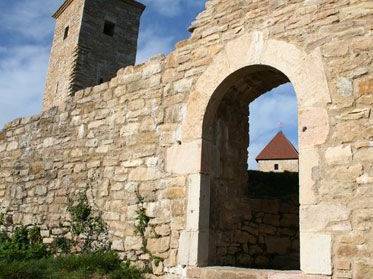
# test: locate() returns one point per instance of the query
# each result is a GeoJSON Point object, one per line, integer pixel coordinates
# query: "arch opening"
{"type": "Point", "coordinates": [245, 229]}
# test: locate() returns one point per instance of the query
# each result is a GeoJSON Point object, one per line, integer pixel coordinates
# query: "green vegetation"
{"type": "Point", "coordinates": [272, 185]}
{"type": "Point", "coordinates": [84, 266]}
{"type": "Point", "coordinates": [24, 244]}
{"type": "Point", "coordinates": [87, 226]}
{"type": "Point", "coordinates": [24, 256]}
{"type": "Point", "coordinates": [141, 224]}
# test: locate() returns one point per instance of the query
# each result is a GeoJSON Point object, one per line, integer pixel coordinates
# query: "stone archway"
{"type": "Point", "coordinates": [305, 71]}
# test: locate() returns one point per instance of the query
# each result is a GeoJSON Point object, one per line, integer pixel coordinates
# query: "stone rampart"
{"type": "Point", "coordinates": [142, 132]}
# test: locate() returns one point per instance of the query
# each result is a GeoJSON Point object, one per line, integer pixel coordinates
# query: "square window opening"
{"type": "Point", "coordinates": [276, 167]}
{"type": "Point", "coordinates": [66, 32]}
{"type": "Point", "coordinates": [109, 28]}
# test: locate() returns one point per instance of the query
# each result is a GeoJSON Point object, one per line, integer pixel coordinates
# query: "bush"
{"type": "Point", "coordinates": [87, 226]}
{"type": "Point", "coordinates": [24, 256]}
{"type": "Point", "coordinates": [84, 266]}
{"type": "Point", "coordinates": [126, 271]}
{"type": "Point", "coordinates": [61, 245]}
{"type": "Point", "coordinates": [24, 244]}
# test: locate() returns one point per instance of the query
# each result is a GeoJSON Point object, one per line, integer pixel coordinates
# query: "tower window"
{"type": "Point", "coordinates": [66, 33]}
{"type": "Point", "coordinates": [109, 28]}
{"type": "Point", "coordinates": [276, 167]}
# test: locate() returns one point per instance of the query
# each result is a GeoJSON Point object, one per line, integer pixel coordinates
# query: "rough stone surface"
{"type": "Point", "coordinates": [87, 56]}
{"type": "Point", "coordinates": [124, 135]}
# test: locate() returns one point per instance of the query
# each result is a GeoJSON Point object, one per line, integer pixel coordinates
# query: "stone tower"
{"type": "Point", "coordinates": [93, 39]}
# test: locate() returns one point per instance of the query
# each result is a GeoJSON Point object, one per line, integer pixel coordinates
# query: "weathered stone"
{"type": "Point", "coordinates": [41, 190]}
{"type": "Point", "coordinates": [315, 218]}
{"type": "Point", "coordinates": [366, 86]}
{"type": "Point", "coordinates": [117, 245]}
{"type": "Point", "coordinates": [344, 86]}
{"type": "Point", "coordinates": [316, 253]}
{"type": "Point", "coordinates": [132, 243]}
{"type": "Point", "coordinates": [344, 264]}
{"type": "Point", "coordinates": [158, 245]}
{"type": "Point", "coordinates": [174, 130]}
{"type": "Point", "coordinates": [163, 230]}
{"type": "Point", "coordinates": [184, 159]}
{"type": "Point", "coordinates": [339, 154]}
{"type": "Point", "coordinates": [12, 146]}
{"type": "Point", "coordinates": [175, 193]}
{"type": "Point", "coordinates": [143, 174]}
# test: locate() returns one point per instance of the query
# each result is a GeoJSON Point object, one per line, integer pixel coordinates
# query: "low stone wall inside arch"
{"type": "Point", "coordinates": [121, 136]}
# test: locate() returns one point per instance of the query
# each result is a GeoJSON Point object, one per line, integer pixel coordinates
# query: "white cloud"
{"type": "Point", "coordinates": [22, 70]}
{"type": "Point", "coordinates": [151, 43]}
{"type": "Point", "coordinates": [270, 113]}
{"type": "Point", "coordinates": [172, 8]}
{"type": "Point", "coordinates": [28, 18]}
{"type": "Point", "coordinates": [26, 31]}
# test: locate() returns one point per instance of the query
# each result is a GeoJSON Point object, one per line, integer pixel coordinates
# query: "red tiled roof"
{"type": "Point", "coordinates": [279, 148]}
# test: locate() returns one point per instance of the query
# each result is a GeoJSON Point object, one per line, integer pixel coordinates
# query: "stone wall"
{"type": "Point", "coordinates": [142, 130]}
{"type": "Point", "coordinates": [283, 165]}
{"type": "Point", "coordinates": [266, 238]}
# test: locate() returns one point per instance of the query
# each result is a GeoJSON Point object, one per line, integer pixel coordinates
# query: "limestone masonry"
{"type": "Point", "coordinates": [175, 130]}
{"type": "Point", "coordinates": [92, 41]}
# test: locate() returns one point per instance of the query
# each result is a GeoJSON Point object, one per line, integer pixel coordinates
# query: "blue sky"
{"type": "Point", "coordinates": [26, 30]}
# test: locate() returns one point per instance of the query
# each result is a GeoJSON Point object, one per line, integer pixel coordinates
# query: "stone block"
{"type": "Point", "coordinates": [133, 243]}
{"type": "Point", "coordinates": [12, 146]}
{"type": "Point", "coordinates": [362, 270]}
{"type": "Point", "coordinates": [41, 190]}
{"type": "Point", "coordinates": [117, 245]}
{"type": "Point", "coordinates": [198, 205]}
{"type": "Point", "coordinates": [163, 230]}
{"type": "Point", "coordinates": [338, 155]}
{"type": "Point", "coordinates": [158, 245]}
{"type": "Point", "coordinates": [344, 86]}
{"type": "Point", "coordinates": [184, 158]}
{"type": "Point", "coordinates": [143, 174]}
{"type": "Point", "coordinates": [366, 86]}
{"type": "Point", "coordinates": [314, 126]}
{"type": "Point", "coordinates": [342, 264]}
{"type": "Point", "coordinates": [316, 218]}
{"type": "Point", "coordinates": [174, 193]}
{"type": "Point", "coordinates": [183, 85]}
{"type": "Point", "coordinates": [315, 253]}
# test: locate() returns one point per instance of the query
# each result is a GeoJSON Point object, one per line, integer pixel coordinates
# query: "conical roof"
{"type": "Point", "coordinates": [279, 148]}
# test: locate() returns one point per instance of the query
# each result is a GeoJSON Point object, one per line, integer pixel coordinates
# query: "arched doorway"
{"type": "Point", "coordinates": [253, 54]}
{"type": "Point", "coordinates": [246, 229]}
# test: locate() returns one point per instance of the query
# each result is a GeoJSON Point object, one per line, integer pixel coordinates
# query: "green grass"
{"type": "Point", "coordinates": [24, 256]}
{"type": "Point", "coordinates": [83, 266]}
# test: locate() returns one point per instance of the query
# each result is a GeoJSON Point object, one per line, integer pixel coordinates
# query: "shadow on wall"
{"type": "Point", "coordinates": [273, 185]}
{"type": "Point", "coordinates": [274, 220]}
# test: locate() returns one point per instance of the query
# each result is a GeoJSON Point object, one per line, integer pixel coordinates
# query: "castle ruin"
{"type": "Point", "coordinates": [174, 130]}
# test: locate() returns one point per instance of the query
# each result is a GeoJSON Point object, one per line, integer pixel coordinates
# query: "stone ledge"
{"type": "Point", "coordinates": [243, 273]}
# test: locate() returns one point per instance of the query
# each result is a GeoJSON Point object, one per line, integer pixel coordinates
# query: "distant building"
{"type": "Point", "coordinates": [278, 156]}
